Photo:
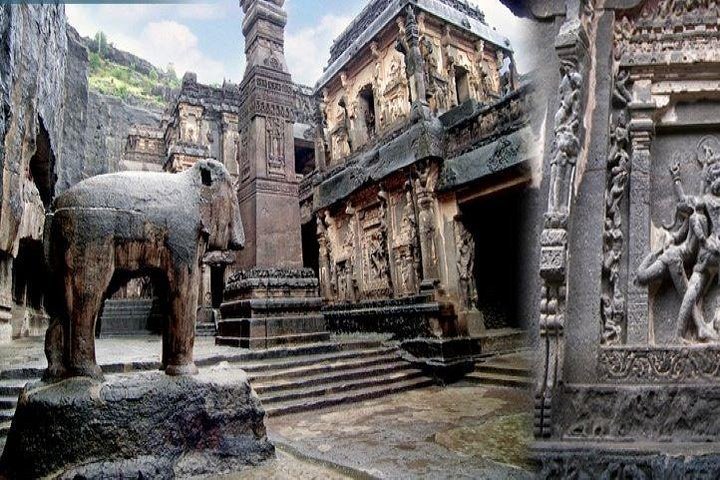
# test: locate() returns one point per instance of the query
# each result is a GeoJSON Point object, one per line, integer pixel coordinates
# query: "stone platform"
{"type": "Point", "coordinates": [263, 308]}
{"type": "Point", "coordinates": [146, 424]}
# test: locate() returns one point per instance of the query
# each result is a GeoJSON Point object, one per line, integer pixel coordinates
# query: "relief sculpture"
{"type": "Point", "coordinates": [692, 245]}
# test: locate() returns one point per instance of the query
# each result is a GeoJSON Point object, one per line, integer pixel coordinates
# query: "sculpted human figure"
{"type": "Point", "coordinates": [693, 238]}
{"type": "Point", "coordinates": [134, 224]}
{"type": "Point", "coordinates": [681, 243]}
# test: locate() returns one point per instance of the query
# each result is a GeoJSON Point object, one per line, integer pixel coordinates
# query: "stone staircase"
{"type": "Point", "coordinates": [299, 384]}
{"type": "Point", "coordinates": [287, 380]}
{"type": "Point", "coordinates": [507, 370]}
{"type": "Point", "coordinates": [129, 316]}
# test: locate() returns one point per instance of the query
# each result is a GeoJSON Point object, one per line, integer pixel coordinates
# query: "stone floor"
{"type": "Point", "coordinates": [29, 352]}
{"type": "Point", "coordinates": [464, 430]}
{"type": "Point", "coordinates": [459, 431]}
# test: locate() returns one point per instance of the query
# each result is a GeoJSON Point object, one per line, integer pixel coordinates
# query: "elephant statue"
{"type": "Point", "coordinates": [134, 223]}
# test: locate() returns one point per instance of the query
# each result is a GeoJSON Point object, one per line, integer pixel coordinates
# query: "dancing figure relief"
{"type": "Point", "coordinates": [692, 247]}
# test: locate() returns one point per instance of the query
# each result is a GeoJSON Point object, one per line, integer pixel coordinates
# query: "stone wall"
{"type": "Point", "coordinates": [96, 126]}
{"type": "Point", "coordinates": [32, 75]}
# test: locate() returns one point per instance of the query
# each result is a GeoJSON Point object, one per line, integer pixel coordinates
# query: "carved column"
{"type": "Point", "coordinates": [571, 46]}
{"type": "Point", "coordinates": [641, 131]}
{"type": "Point", "coordinates": [268, 194]}
{"type": "Point", "coordinates": [409, 46]}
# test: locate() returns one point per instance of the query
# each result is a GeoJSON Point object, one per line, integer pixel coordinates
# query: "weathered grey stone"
{"type": "Point", "coordinates": [145, 425]}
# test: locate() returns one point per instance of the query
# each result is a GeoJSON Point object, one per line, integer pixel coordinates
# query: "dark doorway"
{"type": "Point", "coordinates": [217, 285]}
{"type": "Point", "coordinates": [462, 84]}
{"type": "Point", "coordinates": [29, 275]}
{"type": "Point", "coordinates": [310, 246]}
{"type": "Point", "coordinates": [495, 223]}
{"type": "Point", "coordinates": [304, 157]}
{"type": "Point", "coordinates": [42, 166]}
{"type": "Point", "coordinates": [367, 109]}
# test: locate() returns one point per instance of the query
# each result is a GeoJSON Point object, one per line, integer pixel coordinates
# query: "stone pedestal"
{"type": "Point", "coordinates": [263, 308]}
{"type": "Point", "coordinates": [143, 425]}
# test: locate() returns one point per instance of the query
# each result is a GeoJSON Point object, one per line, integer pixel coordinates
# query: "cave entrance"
{"type": "Point", "coordinates": [135, 303]}
{"type": "Point", "coordinates": [42, 166]}
{"type": "Point", "coordinates": [29, 284]}
{"type": "Point", "coordinates": [494, 220]}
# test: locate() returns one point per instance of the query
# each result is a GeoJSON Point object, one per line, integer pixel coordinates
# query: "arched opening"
{"type": "Point", "coordinates": [462, 84]}
{"type": "Point", "coordinates": [42, 166]}
{"type": "Point", "coordinates": [135, 303]}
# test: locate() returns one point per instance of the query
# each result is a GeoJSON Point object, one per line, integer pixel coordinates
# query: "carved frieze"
{"type": "Point", "coordinates": [660, 364]}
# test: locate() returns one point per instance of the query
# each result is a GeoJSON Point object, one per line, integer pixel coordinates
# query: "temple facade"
{"type": "Point", "coordinates": [423, 135]}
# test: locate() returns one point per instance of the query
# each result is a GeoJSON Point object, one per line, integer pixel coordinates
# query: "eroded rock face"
{"type": "Point", "coordinates": [148, 425]}
{"type": "Point", "coordinates": [32, 73]}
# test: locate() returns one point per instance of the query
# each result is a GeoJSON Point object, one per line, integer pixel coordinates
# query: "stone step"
{"type": "Point", "coordinates": [503, 369]}
{"type": "Point", "coordinates": [294, 406]}
{"type": "Point", "coordinates": [22, 373]}
{"type": "Point", "coordinates": [8, 402]}
{"type": "Point", "coordinates": [6, 414]}
{"type": "Point", "coordinates": [267, 342]}
{"type": "Point", "coordinates": [322, 368]}
{"type": "Point", "coordinates": [313, 359]}
{"type": "Point", "coordinates": [336, 384]}
{"type": "Point", "coordinates": [499, 380]}
{"type": "Point", "coordinates": [368, 370]}
{"type": "Point", "coordinates": [12, 387]}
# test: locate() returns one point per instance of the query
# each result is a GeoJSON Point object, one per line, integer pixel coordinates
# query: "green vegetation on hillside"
{"type": "Point", "coordinates": [122, 81]}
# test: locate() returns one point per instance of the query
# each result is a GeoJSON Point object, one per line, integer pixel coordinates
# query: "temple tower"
{"type": "Point", "coordinates": [268, 188]}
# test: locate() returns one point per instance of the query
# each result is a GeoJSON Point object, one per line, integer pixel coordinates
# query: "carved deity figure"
{"type": "Point", "coordinates": [486, 81]}
{"type": "Point", "coordinates": [694, 240]}
{"type": "Point", "coordinates": [466, 265]}
{"type": "Point", "coordinates": [325, 259]}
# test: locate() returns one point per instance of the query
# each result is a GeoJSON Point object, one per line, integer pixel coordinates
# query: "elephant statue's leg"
{"type": "Point", "coordinates": [86, 285]}
{"type": "Point", "coordinates": [179, 335]}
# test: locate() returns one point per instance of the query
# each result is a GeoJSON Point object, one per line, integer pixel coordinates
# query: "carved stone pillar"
{"type": "Point", "coordinates": [571, 46]}
{"type": "Point", "coordinates": [273, 300]}
{"type": "Point", "coordinates": [409, 46]}
{"type": "Point", "coordinates": [268, 195]}
{"type": "Point", "coordinates": [641, 131]}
